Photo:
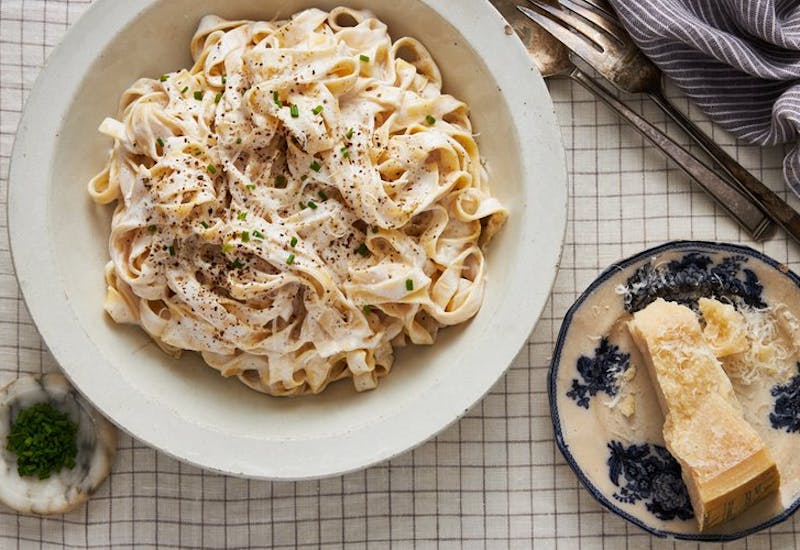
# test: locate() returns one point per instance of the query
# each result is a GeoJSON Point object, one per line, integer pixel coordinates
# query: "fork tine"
{"type": "Point", "coordinates": [603, 6]}
{"type": "Point", "coordinates": [577, 23]}
{"type": "Point", "coordinates": [577, 43]}
{"type": "Point", "coordinates": [604, 20]}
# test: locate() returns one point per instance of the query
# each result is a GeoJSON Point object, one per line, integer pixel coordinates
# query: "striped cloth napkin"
{"type": "Point", "coordinates": [739, 60]}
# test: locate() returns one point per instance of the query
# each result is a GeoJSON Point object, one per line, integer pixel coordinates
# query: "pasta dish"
{"type": "Point", "coordinates": [298, 203]}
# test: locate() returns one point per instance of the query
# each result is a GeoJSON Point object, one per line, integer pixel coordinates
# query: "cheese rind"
{"type": "Point", "coordinates": [724, 462]}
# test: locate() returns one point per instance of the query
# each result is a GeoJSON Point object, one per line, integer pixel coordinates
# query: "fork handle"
{"type": "Point", "coordinates": [728, 196]}
{"type": "Point", "coordinates": [775, 207]}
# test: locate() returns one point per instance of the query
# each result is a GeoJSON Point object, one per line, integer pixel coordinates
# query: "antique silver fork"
{"type": "Point", "coordinates": [553, 59]}
{"type": "Point", "coordinates": [589, 28]}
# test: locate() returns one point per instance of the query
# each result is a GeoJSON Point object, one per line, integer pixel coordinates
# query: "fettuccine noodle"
{"type": "Point", "coordinates": [297, 203]}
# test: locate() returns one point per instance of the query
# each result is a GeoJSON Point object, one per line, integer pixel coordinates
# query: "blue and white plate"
{"type": "Point", "coordinates": [605, 412]}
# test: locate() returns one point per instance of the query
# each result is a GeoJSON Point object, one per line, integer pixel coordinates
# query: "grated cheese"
{"type": "Point", "coordinates": [772, 335]}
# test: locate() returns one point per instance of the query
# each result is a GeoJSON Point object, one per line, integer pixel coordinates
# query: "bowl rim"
{"type": "Point", "coordinates": [552, 380]}
{"type": "Point", "coordinates": [69, 342]}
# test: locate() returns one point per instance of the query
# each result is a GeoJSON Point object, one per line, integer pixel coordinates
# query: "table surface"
{"type": "Point", "coordinates": [493, 480]}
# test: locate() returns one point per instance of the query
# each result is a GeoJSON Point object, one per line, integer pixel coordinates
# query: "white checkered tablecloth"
{"type": "Point", "coordinates": [493, 480]}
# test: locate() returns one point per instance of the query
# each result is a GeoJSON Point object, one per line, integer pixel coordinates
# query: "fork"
{"type": "Point", "coordinates": [553, 60]}
{"type": "Point", "coordinates": [591, 31]}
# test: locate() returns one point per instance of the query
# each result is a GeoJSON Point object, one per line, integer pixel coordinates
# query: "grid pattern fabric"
{"type": "Point", "coordinates": [493, 480]}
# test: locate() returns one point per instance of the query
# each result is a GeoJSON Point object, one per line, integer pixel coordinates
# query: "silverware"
{"type": "Point", "coordinates": [553, 59]}
{"type": "Point", "coordinates": [591, 30]}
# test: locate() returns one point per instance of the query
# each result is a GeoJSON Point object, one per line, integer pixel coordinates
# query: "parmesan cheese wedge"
{"type": "Point", "coordinates": [724, 463]}
{"type": "Point", "coordinates": [725, 330]}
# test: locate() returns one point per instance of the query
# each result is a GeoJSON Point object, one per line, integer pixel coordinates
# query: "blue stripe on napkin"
{"type": "Point", "coordinates": [739, 60]}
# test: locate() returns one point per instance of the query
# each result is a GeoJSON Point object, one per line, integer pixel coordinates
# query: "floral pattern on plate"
{"type": "Point", "coordinates": [786, 412]}
{"type": "Point", "coordinates": [599, 373]}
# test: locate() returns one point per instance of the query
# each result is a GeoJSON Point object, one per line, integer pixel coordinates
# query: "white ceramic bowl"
{"type": "Point", "coordinates": [185, 408]}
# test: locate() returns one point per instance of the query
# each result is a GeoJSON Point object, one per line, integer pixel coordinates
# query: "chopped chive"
{"type": "Point", "coordinates": [280, 181]}
{"type": "Point", "coordinates": [304, 177]}
{"type": "Point", "coordinates": [198, 95]}
{"type": "Point", "coordinates": [258, 234]}
{"type": "Point", "coordinates": [227, 247]}
{"type": "Point", "coordinates": [172, 249]}
{"type": "Point", "coordinates": [186, 89]}
{"type": "Point", "coordinates": [245, 236]}
{"type": "Point", "coordinates": [224, 78]}
{"type": "Point", "coordinates": [241, 215]}
{"type": "Point", "coordinates": [317, 110]}
{"type": "Point", "coordinates": [204, 224]}
{"type": "Point", "coordinates": [367, 308]}
{"type": "Point", "coordinates": [276, 98]}
{"type": "Point", "coordinates": [294, 111]}
{"type": "Point", "coordinates": [152, 228]}
{"type": "Point", "coordinates": [293, 242]}
{"type": "Point", "coordinates": [349, 133]}
{"type": "Point", "coordinates": [346, 152]}
{"type": "Point", "coordinates": [323, 197]}
{"type": "Point", "coordinates": [312, 205]}
{"type": "Point", "coordinates": [236, 264]}
{"type": "Point", "coordinates": [43, 438]}
{"type": "Point", "coordinates": [409, 284]}
{"type": "Point", "coordinates": [238, 140]}
{"type": "Point", "coordinates": [315, 166]}
{"type": "Point", "coordinates": [250, 186]}
{"type": "Point", "coordinates": [160, 142]}
{"type": "Point", "coordinates": [364, 58]}
{"type": "Point", "coordinates": [430, 120]}
{"type": "Point", "coordinates": [362, 249]}
{"type": "Point", "coordinates": [164, 78]}
{"type": "Point", "coordinates": [217, 97]}
{"type": "Point", "coordinates": [290, 259]}
{"type": "Point", "coordinates": [211, 169]}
